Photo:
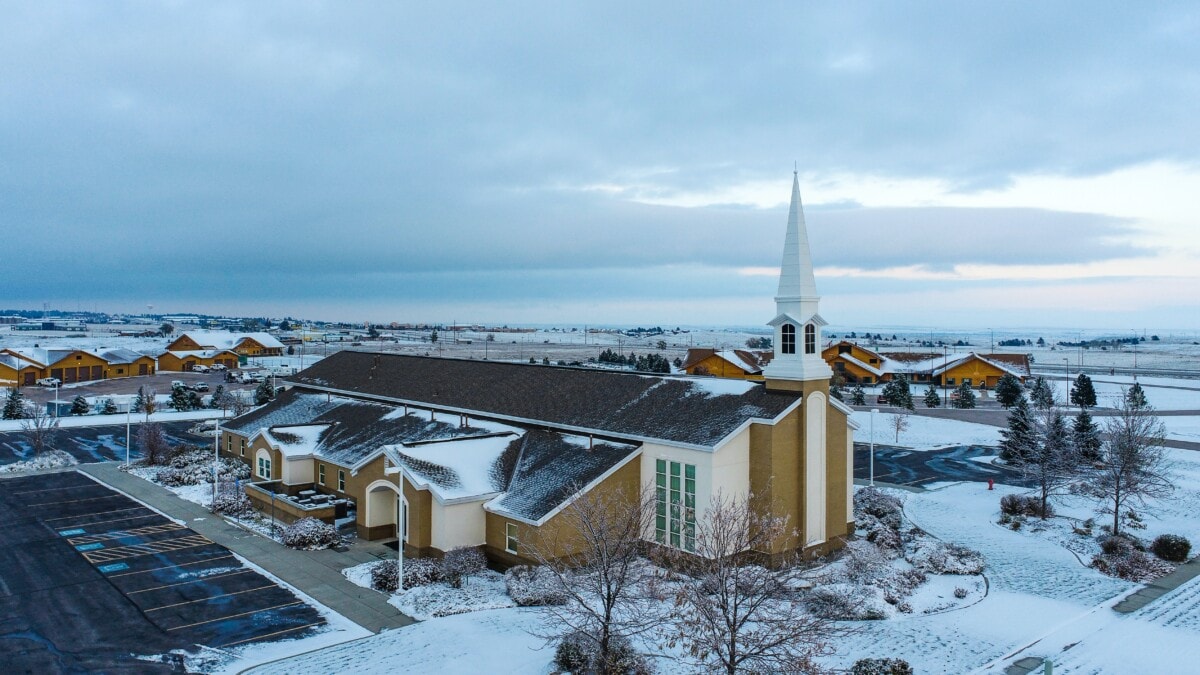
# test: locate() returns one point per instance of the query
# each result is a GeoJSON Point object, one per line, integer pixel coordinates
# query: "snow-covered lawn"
{"type": "Point", "coordinates": [50, 459]}
{"type": "Point", "coordinates": [108, 420]}
{"type": "Point", "coordinates": [1182, 428]}
{"type": "Point", "coordinates": [924, 433]}
{"type": "Point", "coordinates": [1162, 392]}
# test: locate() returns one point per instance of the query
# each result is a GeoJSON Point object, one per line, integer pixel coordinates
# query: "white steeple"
{"type": "Point", "coordinates": [797, 322]}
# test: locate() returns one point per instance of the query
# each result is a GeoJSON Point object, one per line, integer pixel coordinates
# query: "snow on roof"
{"type": "Point", "coordinates": [736, 359]}
{"type": "Point", "coordinates": [295, 441]}
{"type": "Point", "coordinates": [924, 366]}
{"type": "Point", "coordinates": [220, 339]}
{"type": "Point", "coordinates": [943, 367]}
{"type": "Point", "coordinates": [720, 386]}
{"type": "Point", "coordinates": [456, 469]}
{"type": "Point", "coordinates": [197, 353]}
{"type": "Point", "coordinates": [869, 368]}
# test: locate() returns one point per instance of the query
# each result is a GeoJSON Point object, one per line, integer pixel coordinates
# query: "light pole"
{"type": "Point", "coordinates": [216, 461]}
{"type": "Point", "coordinates": [56, 395]}
{"type": "Point", "coordinates": [945, 369]}
{"type": "Point", "coordinates": [873, 411]}
{"type": "Point", "coordinates": [127, 428]}
{"type": "Point", "coordinates": [400, 524]}
{"type": "Point", "coordinates": [1067, 381]}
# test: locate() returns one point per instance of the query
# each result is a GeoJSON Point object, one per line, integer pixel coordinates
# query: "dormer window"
{"type": "Point", "coordinates": [810, 339]}
{"type": "Point", "coordinates": [788, 341]}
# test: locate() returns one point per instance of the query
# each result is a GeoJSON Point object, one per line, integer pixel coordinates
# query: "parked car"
{"type": "Point", "coordinates": [200, 368]}
{"type": "Point", "coordinates": [177, 383]}
{"type": "Point", "coordinates": [218, 366]}
{"type": "Point", "coordinates": [231, 376]}
{"type": "Point", "coordinates": [881, 400]}
{"type": "Point", "coordinates": [200, 386]}
{"type": "Point", "coordinates": [50, 382]}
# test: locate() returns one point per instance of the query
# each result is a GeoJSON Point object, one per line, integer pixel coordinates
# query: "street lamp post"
{"type": "Point", "coordinates": [945, 369]}
{"type": "Point", "coordinates": [127, 429]}
{"type": "Point", "coordinates": [56, 397]}
{"type": "Point", "coordinates": [216, 461]}
{"type": "Point", "coordinates": [873, 411]}
{"type": "Point", "coordinates": [1066, 381]}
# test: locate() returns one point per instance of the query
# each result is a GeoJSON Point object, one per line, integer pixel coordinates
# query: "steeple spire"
{"type": "Point", "coordinates": [797, 322]}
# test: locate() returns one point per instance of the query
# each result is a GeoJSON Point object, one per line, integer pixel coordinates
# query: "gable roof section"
{"type": "Point", "coordinates": [121, 356]}
{"type": "Point", "coordinates": [747, 361]}
{"type": "Point", "coordinates": [675, 410]}
{"type": "Point", "coordinates": [553, 468]}
{"type": "Point", "coordinates": [218, 339]}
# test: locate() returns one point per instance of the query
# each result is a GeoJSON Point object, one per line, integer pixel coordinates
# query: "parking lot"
{"type": "Point", "coordinates": [91, 579]}
{"type": "Point", "coordinates": [902, 466]}
{"type": "Point", "coordinates": [94, 444]}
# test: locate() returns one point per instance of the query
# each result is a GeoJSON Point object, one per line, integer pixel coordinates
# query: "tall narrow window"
{"type": "Point", "coordinates": [264, 467]}
{"type": "Point", "coordinates": [321, 474]}
{"type": "Point", "coordinates": [675, 504]}
{"type": "Point", "coordinates": [510, 537]}
{"type": "Point", "coordinates": [341, 480]}
{"type": "Point", "coordinates": [810, 339]}
{"type": "Point", "coordinates": [789, 339]}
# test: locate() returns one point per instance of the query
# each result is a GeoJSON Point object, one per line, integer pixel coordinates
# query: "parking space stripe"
{"type": "Point", "coordinates": [193, 581]}
{"type": "Point", "coordinates": [118, 520]}
{"type": "Point", "coordinates": [270, 635]}
{"type": "Point", "coordinates": [98, 513]}
{"type": "Point", "coordinates": [214, 597]}
{"type": "Point", "coordinates": [234, 616]}
{"type": "Point", "coordinates": [136, 550]}
{"type": "Point", "coordinates": [167, 567]}
{"type": "Point", "coordinates": [77, 501]}
{"type": "Point", "coordinates": [54, 489]}
{"type": "Point", "coordinates": [124, 534]}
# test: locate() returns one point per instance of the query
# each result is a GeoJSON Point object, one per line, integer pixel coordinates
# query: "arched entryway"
{"type": "Point", "coordinates": [385, 508]}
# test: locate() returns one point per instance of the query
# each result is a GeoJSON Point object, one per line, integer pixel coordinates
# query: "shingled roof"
{"type": "Point", "coordinates": [697, 412]}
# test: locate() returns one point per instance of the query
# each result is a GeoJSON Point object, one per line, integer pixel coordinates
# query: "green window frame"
{"type": "Point", "coordinates": [675, 504]}
{"type": "Point", "coordinates": [511, 543]}
{"type": "Point", "coordinates": [341, 480]}
{"type": "Point", "coordinates": [264, 467]}
{"type": "Point", "coordinates": [321, 474]}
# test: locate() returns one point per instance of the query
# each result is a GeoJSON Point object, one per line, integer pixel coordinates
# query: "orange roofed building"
{"type": "Point", "coordinates": [735, 363]}
{"type": "Point", "coordinates": [858, 364]}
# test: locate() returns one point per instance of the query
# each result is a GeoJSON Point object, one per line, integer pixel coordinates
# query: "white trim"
{"type": "Point", "coordinates": [570, 500]}
{"type": "Point", "coordinates": [816, 490]}
{"type": "Point", "coordinates": [846, 409]}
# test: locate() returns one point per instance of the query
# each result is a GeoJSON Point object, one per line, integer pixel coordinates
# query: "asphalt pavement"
{"type": "Point", "coordinates": [94, 444]}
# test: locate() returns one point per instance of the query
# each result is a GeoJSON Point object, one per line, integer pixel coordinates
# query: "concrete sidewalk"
{"type": "Point", "coordinates": [1159, 587]}
{"type": "Point", "coordinates": [316, 573]}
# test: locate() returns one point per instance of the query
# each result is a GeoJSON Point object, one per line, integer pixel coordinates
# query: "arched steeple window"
{"type": "Point", "coordinates": [788, 341]}
{"type": "Point", "coordinates": [810, 339]}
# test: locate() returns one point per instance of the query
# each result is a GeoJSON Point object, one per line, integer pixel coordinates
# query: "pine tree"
{"type": "Point", "coordinates": [858, 396]}
{"type": "Point", "coordinates": [139, 401]}
{"type": "Point", "coordinates": [194, 401]}
{"type": "Point", "coordinates": [897, 393]}
{"type": "Point", "coordinates": [1086, 437]}
{"type": "Point", "coordinates": [932, 400]}
{"type": "Point", "coordinates": [1083, 392]}
{"type": "Point", "coordinates": [1041, 394]}
{"type": "Point", "coordinates": [1135, 396]}
{"type": "Point", "coordinates": [218, 398]}
{"type": "Point", "coordinates": [264, 393]}
{"type": "Point", "coordinates": [1020, 437]}
{"type": "Point", "coordinates": [1008, 390]}
{"type": "Point", "coordinates": [964, 397]}
{"type": "Point", "coordinates": [179, 398]}
{"type": "Point", "coordinates": [1052, 464]}
{"type": "Point", "coordinates": [79, 406]}
{"type": "Point", "coordinates": [108, 408]}
{"type": "Point", "coordinates": [14, 405]}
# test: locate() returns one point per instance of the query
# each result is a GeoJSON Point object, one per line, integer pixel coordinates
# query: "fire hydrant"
{"type": "Point", "coordinates": [991, 483]}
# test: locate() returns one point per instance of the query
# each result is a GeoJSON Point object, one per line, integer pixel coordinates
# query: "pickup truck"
{"type": "Point", "coordinates": [200, 368]}
{"type": "Point", "coordinates": [50, 382]}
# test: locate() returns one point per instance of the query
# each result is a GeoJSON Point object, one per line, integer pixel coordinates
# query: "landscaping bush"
{"type": "Point", "coordinates": [1171, 547]}
{"type": "Point", "coordinates": [576, 652]}
{"type": "Point", "coordinates": [383, 576]}
{"type": "Point", "coordinates": [886, 538]}
{"type": "Point", "coordinates": [1120, 545]}
{"type": "Point", "coordinates": [865, 563]}
{"type": "Point", "coordinates": [232, 502]}
{"type": "Point", "coordinates": [190, 465]}
{"type": "Point", "coordinates": [310, 534]}
{"type": "Point", "coordinates": [421, 572]}
{"type": "Point", "coordinates": [960, 592]}
{"type": "Point", "coordinates": [886, 508]}
{"type": "Point", "coordinates": [881, 667]}
{"type": "Point", "coordinates": [534, 586]}
{"type": "Point", "coordinates": [937, 557]}
{"type": "Point", "coordinates": [847, 602]}
{"type": "Point", "coordinates": [1134, 566]}
{"type": "Point", "coordinates": [460, 563]}
{"type": "Point", "coordinates": [1018, 505]}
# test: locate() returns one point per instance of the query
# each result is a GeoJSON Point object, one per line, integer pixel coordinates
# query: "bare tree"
{"type": "Point", "coordinates": [39, 429]}
{"type": "Point", "coordinates": [149, 402]}
{"type": "Point", "coordinates": [1053, 463]}
{"type": "Point", "coordinates": [738, 617]}
{"type": "Point", "coordinates": [1134, 462]}
{"type": "Point", "coordinates": [899, 423]}
{"type": "Point", "coordinates": [595, 555]}
{"type": "Point", "coordinates": [153, 443]}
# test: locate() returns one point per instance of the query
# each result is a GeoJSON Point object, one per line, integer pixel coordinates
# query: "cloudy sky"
{"type": "Point", "coordinates": [962, 164]}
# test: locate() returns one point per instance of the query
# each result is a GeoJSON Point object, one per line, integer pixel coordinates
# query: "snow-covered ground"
{"type": "Point", "coordinates": [923, 433]}
{"type": "Point", "coordinates": [1162, 392]}
{"type": "Point", "coordinates": [137, 418]}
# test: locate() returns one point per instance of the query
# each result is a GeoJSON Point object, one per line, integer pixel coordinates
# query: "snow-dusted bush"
{"type": "Point", "coordinates": [576, 652]}
{"type": "Point", "coordinates": [872, 502]}
{"type": "Point", "coordinates": [847, 602]}
{"type": "Point", "coordinates": [383, 576]}
{"type": "Point", "coordinates": [232, 502]}
{"type": "Point", "coordinates": [534, 586]}
{"type": "Point", "coordinates": [960, 592]}
{"type": "Point", "coordinates": [865, 563]}
{"type": "Point", "coordinates": [1017, 505]}
{"type": "Point", "coordinates": [881, 667]}
{"type": "Point", "coordinates": [1132, 566]}
{"type": "Point", "coordinates": [460, 563]}
{"type": "Point", "coordinates": [1171, 547]}
{"type": "Point", "coordinates": [937, 557]}
{"type": "Point", "coordinates": [193, 466]}
{"type": "Point", "coordinates": [879, 533]}
{"type": "Point", "coordinates": [421, 572]}
{"type": "Point", "coordinates": [1120, 545]}
{"type": "Point", "coordinates": [310, 534]}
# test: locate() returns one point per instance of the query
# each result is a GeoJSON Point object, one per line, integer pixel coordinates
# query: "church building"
{"type": "Point", "coordinates": [443, 453]}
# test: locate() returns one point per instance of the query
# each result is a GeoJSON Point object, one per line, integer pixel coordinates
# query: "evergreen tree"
{"type": "Point", "coordinates": [897, 393]}
{"type": "Point", "coordinates": [14, 405]}
{"type": "Point", "coordinates": [1086, 436]}
{"type": "Point", "coordinates": [1041, 394]}
{"type": "Point", "coordinates": [218, 398]}
{"type": "Point", "coordinates": [1053, 464]}
{"type": "Point", "coordinates": [1083, 392]}
{"type": "Point", "coordinates": [932, 400]}
{"type": "Point", "coordinates": [194, 401]}
{"type": "Point", "coordinates": [1020, 438]}
{"type": "Point", "coordinates": [1008, 390]}
{"type": "Point", "coordinates": [139, 401]}
{"type": "Point", "coordinates": [264, 393]}
{"type": "Point", "coordinates": [964, 397]}
{"type": "Point", "coordinates": [108, 408]}
{"type": "Point", "coordinates": [79, 406]}
{"type": "Point", "coordinates": [858, 396]}
{"type": "Point", "coordinates": [1135, 396]}
{"type": "Point", "coordinates": [179, 398]}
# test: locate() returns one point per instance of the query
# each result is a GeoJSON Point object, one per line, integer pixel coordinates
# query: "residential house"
{"type": "Point", "coordinates": [735, 363]}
